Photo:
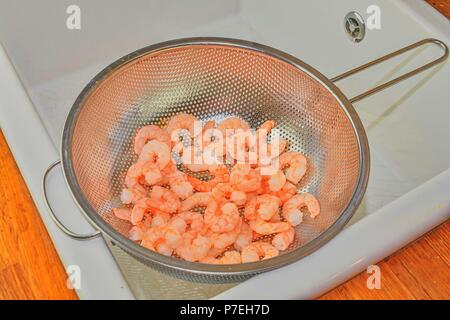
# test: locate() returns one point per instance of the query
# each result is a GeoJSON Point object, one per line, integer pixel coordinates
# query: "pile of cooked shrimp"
{"type": "Point", "coordinates": [225, 212]}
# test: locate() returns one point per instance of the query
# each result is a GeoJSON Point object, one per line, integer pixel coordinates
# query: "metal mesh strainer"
{"type": "Point", "coordinates": [213, 78]}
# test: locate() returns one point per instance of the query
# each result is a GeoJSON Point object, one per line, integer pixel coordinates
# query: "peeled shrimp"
{"type": "Point", "coordinates": [135, 175]}
{"type": "Point", "coordinates": [276, 181]}
{"type": "Point", "coordinates": [220, 174]}
{"type": "Point", "coordinates": [160, 219]}
{"type": "Point", "coordinates": [245, 178]}
{"type": "Point", "coordinates": [258, 251]}
{"type": "Point", "coordinates": [193, 219]}
{"type": "Point", "coordinates": [156, 153]}
{"type": "Point", "coordinates": [194, 248]}
{"type": "Point", "coordinates": [224, 192]}
{"type": "Point", "coordinates": [222, 240]}
{"type": "Point", "coordinates": [148, 133]}
{"type": "Point", "coordinates": [244, 238]}
{"type": "Point", "coordinates": [141, 207]}
{"type": "Point", "coordinates": [291, 209]}
{"type": "Point", "coordinates": [283, 240]}
{"type": "Point", "coordinates": [164, 199]}
{"type": "Point", "coordinates": [229, 257]}
{"type": "Point", "coordinates": [262, 207]}
{"type": "Point", "coordinates": [296, 163]}
{"type": "Point", "coordinates": [221, 218]}
{"type": "Point", "coordinates": [179, 184]}
{"type": "Point", "coordinates": [230, 125]}
{"type": "Point", "coordinates": [265, 227]}
{"type": "Point", "coordinates": [197, 200]}
{"type": "Point", "coordinates": [122, 213]}
{"type": "Point", "coordinates": [133, 194]}
{"type": "Point", "coordinates": [182, 121]}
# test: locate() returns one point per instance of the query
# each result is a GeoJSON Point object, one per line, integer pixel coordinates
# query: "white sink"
{"type": "Point", "coordinates": [408, 125]}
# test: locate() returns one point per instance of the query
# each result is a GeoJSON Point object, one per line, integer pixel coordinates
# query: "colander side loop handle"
{"type": "Point", "coordinates": [389, 56]}
{"type": "Point", "coordinates": [67, 231]}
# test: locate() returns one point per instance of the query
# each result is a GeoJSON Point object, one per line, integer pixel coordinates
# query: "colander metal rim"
{"type": "Point", "coordinates": [199, 268]}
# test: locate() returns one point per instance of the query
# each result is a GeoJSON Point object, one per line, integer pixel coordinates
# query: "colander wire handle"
{"type": "Point", "coordinates": [67, 231]}
{"type": "Point", "coordinates": [400, 78]}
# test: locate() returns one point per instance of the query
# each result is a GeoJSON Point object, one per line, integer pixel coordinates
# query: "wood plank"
{"type": "Point", "coordinates": [443, 6]}
{"type": "Point", "coordinates": [29, 265]}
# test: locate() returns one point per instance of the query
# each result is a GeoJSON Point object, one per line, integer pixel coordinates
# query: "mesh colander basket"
{"type": "Point", "coordinates": [213, 78]}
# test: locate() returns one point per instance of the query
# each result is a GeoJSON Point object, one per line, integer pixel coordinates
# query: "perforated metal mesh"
{"type": "Point", "coordinates": [214, 82]}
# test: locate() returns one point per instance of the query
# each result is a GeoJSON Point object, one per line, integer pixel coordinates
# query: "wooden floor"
{"type": "Point", "coordinates": [30, 267]}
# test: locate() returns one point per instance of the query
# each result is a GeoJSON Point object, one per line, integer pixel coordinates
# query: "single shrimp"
{"type": "Point", "coordinates": [179, 184]}
{"type": "Point", "coordinates": [133, 194]}
{"type": "Point", "coordinates": [283, 240]}
{"type": "Point", "coordinates": [258, 251]}
{"type": "Point", "coordinates": [222, 240]}
{"type": "Point", "coordinates": [122, 213]}
{"type": "Point", "coordinates": [224, 192]}
{"type": "Point", "coordinates": [193, 219]}
{"type": "Point", "coordinates": [180, 122]}
{"type": "Point", "coordinates": [164, 199]}
{"type": "Point", "coordinates": [221, 218]}
{"type": "Point", "coordinates": [291, 209]}
{"type": "Point", "coordinates": [160, 219]}
{"type": "Point", "coordinates": [148, 133]}
{"type": "Point", "coordinates": [199, 199]}
{"type": "Point", "coordinates": [156, 153]}
{"type": "Point", "coordinates": [244, 238]}
{"type": "Point", "coordinates": [267, 126]}
{"type": "Point", "coordinates": [230, 125]}
{"type": "Point", "coordinates": [296, 163]}
{"type": "Point", "coordinates": [265, 227]}
{"type": "Point", "coordinates": [262, 207]}
{"type": "Point", "coordinates": [194, 248]}
{"type": "Point", "coordinates": [141, 207]}
{"type": "Point", "coordinates": [276, 181]}
{"type": "Point", "coordinates": [229, 257]}
{"type": "Point", "coordinates": [135, 175]}
{"type": "Point", "coordinates": [245, 178]}
{"type": "Point", "coordinates": [220, 174]}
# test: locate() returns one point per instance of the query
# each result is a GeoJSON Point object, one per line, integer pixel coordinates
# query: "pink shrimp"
{"type": "Point", "coordinates": [258, 251]}
{"type": "Point", "coordinates": [179, 184]}
{"type": "Point", "coordinates": [224, 192]}
{"type": "Point", "coordinates": [244, 238]}
{"type": "Point", "coordinates": [230, 125]}
{"type": "Point", "coordinates": [221, 218]}
{"type": "Point", "coordinates": [160, 219]}
{"type": "Point", "coordinates": [222, 240]}
{"type": "Point", "coordinates": [193, 219]}
{"type": "Point", "coordinates": [229, 257]}
{"type": "Point", "coordinates": [141, 207]}
{"type": "Point", "coordinates": [148, 133]}
{"type": "Point", "coordinates": [291, 209]}
{"type": "Point", "coordinates": [283, 240]}
{"type": "Point", "coordinates": [133, 194]}
{"type": "Point", "coordinates": [122, 213]}
{"type": "Point", "coordinates": [164, 199]}
{"type": "Point", "coordinates": [220, 174]}
{"type": "Point", "coordinates": [262, 207]}
{"type": "Point", "coordinates": [180, 122]}
{"type": "Point", "coordinates": [296, 163]}
{"type": "Point", "coordinates": [265, 227]}
{"type": "Point", "coordinates": [276, 181]}
{"type": "Point", "coordinates": [194, 247]}
{"type": "Point", "coordinates": [155, 153]}
{"type": "Point", "coordinates": [245, 178]}
{"type": "Point", "coordinates": [135, 175]}
{"type": "Point", "coordinates": [197, 200]}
